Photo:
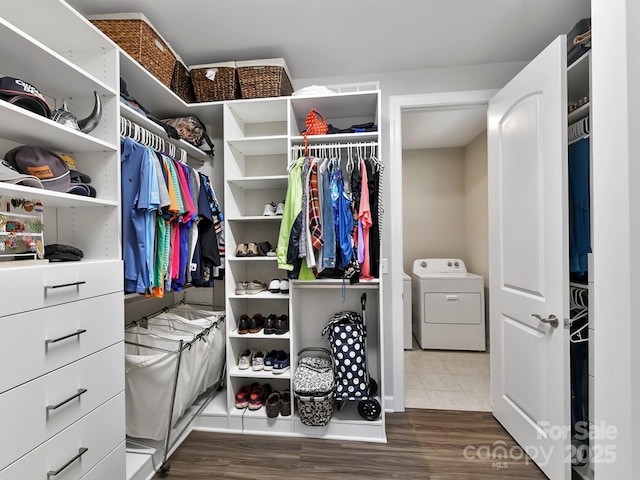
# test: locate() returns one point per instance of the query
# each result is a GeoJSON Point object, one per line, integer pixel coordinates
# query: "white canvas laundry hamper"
{"type": "Point", "coordinates": [169, 362]}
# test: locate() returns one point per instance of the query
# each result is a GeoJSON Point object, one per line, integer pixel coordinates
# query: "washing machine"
{"type": "Point", "coordinates": [447, 305]}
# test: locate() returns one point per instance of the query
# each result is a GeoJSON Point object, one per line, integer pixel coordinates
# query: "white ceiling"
{"type": "Point", "coordinates": [339, 38]}
{"type": "Point", "coordinates": [334, 38]}
{"type": "Point", "coordinates": [448, 128]}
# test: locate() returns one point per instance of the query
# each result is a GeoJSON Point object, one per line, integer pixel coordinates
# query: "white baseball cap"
{"type": "Point", "coordinates": [8, 174]}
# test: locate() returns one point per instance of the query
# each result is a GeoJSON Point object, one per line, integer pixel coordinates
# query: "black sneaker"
{"type": "Point", "coordinates": [270, 324]}
{"type": "Point", "coordinates": [282, 325]}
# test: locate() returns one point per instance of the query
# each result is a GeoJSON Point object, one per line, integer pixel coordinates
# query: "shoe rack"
{"type": "Point", "coordinates": [261, 138]}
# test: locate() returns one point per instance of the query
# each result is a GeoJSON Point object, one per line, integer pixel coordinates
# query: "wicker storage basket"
{"type": "Point", "coordinates": [181, 83]}
{"type": "Point", "coordinates": [215, 81]}
{"type": "Point", "coordinates": [264, 78]}
{"type": "Point", "coordinates": [135, 35]}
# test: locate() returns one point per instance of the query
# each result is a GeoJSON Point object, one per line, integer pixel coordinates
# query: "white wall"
{"type": "Point", "coordinates": [433, 198]}
{"type": "Point", "coordinates": [477, 207]}
{"type": "Point", "coordinates": [615, 121]}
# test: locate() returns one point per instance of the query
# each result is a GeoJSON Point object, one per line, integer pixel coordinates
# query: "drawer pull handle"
{"type": "Point", "coordinates": [452, 298]}
{"type": "Point", "coordinates": [54, 407]}
{"type": "Point", "coordinates": [53, 473]}
{"type": "Point", "coordinates": [76, 333]}
{"type": "Point", "coordinates": [63, 285]}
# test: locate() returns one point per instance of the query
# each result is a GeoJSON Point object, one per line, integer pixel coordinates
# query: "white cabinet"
{"type": "Point", "coordinates": [262, 138]}
{"type": "Point", "coordinates": [63, 322]}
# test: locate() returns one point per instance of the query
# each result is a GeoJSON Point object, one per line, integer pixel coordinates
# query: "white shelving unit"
{"type": "Point", "coordinates": [74, 310]}
{"type": "Point", "coordinates": [259, 136]}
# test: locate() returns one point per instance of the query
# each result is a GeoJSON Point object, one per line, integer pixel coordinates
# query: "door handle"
{"type": "Point", "coordinates": [552, 320]}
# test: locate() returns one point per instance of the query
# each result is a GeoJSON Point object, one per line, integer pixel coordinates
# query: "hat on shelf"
{"type": "Point", "coordinates": [24, 95]}
{"type": "Point", "coordinates": [48, 167]}
{"type": "Point", "coordinates": [8, 174]}
{"type": "Point", "coordinates": [57, 252]}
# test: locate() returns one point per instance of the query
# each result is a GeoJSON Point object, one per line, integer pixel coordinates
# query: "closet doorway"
{"type": "Point", "coordinates": [445, 215]}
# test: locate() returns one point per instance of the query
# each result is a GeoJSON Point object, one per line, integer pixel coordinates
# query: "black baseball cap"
{"type": "Point", "coordinates": [25, 95]}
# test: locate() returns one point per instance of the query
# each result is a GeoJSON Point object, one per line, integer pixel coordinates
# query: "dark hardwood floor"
{"type": "Point", "coordinates": [422, 444]}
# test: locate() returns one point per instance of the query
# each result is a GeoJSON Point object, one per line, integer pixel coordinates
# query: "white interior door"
{"type": "Point", "coordinates": [528, 260]}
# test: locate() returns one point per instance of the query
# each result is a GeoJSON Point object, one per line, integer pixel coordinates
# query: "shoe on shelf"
{"type": "Point", "coordinates": [280, 208]}
{"type": "Point", "coordinates": [257, 361]}
{"type": "Point", "coordinates": [256, 323]}
{"type": "Point", "coordinates": [242, 396]}
{"type": "Point", "coordinates": [281, 364]}
{"type": "Point", "coordinates": [245, 358]}
{"type": "Point", "coordinates": [252, 250]}
{"type": "Point", "coordinates": [285, 403]}
{"type": "Point", "coordinates": [258, 396]}
{"type": "Point", "coordinates": [271, 253]}
{"type": "Point", "coordinates": [284, 285]}
{"type": "Point", "coordinates": [282, 325]}
{"type": "Point", "coordinates": [264, 248]}
{"type": "Point", "coordinates": [241, 288]}
{"type": "Point", "coordinates": [241, 250]}
{"type": "Point", "coordinates": [269, 359]}
{"type": "Point", "coordinates": [255, 286]}
{"type": "Point", "coordinates": [243, 324]}
{"type": "Point", "coordinates": [270, 324]}
{"type": "Point", "coordinates": [273, 405]}
{"type": "Point", "coordinates": [274, 286]}
{"type": "Point", "coordinates": [269, 209]}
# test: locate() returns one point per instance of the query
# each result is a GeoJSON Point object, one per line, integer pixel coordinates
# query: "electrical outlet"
{"type": "Point", "coordinates": [384, 267]}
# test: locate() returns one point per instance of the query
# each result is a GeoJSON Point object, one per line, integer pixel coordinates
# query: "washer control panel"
{"type": "Point", "coordinates": [439, 265]}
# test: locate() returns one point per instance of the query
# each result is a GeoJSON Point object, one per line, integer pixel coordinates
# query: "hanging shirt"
{"type": "Point", "coordinates": [137, 204]}
{"type": "Point", "coordinates": [365, 221]}
{"type": "Point", "coordinates": [579, 216]}
{"type": "Point", "coordinates": [328, 221]}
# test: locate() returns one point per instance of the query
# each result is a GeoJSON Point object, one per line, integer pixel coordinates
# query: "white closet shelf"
{"type": "Point", "coordinates": [15, 47]}
{"type": "Point", "coordinates": [263, 110]}
{"type": "Point", "coordinates": [260, 414]}
{"type": "Point", "coordinates": [340, 105]}
{"type": "Point", "coordinates": [254, 218]}
{"type": "Point", "coordinates": [23, 126]}
{"type": "Point", "coordinates": [260, 334]}
{"type": "Point", "coordinates": [150, 92]}
{"type": "Point", "coordinates": [129, 113]}
{"type": "Point", "coordinates": [336, 138]}
{"type": "Point", "coordinates": [261, 296]}
{"type": "Point", "coordinates": [252, 259]}
{"type": "Point", "coordinates": [248, 373]}
{"type": "Point", "coordinates": [267, 182]}
{"type": "Point", "coordinates": [80, 38]}
{"type": "Point", "coordinates": [50, 198]}
{"type": "Point", "coordinates": [270, 145]}
{"type": "Point", "coordinates": [578, 114]}
{"type": "Point", "coordinates": [332, 282]}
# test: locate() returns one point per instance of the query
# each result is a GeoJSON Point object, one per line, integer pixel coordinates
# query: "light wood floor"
{"type": "Point", "coordinates": [422, 445]}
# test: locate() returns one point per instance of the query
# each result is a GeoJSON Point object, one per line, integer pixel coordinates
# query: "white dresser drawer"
{"type": "Point", "coordinates": [99, 433]}
{"type": "Point", "coordinates": [31, 287]}
{"type": "Point", "coordinates": [42, 340]}
{"type": "Point", "coordinates": [43, 407]}
{"type": "Point", "coordinates": [114, 467]}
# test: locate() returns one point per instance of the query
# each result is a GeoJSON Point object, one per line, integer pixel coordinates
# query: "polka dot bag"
{"type": "Point", "coordinates": [346, 335]}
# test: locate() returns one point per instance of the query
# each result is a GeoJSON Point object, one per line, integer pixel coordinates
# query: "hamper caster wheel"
{"type": "Point", "coordinates": [164, 470]}
{"type": "Point", "coordinates": [369, 409]}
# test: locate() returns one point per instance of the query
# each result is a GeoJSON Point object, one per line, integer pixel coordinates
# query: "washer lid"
{"type": "Point", "coordinates": [439, 265]}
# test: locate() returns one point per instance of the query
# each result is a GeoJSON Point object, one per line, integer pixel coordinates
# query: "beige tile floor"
{"type": "Point", "coordinates": [446, 380]}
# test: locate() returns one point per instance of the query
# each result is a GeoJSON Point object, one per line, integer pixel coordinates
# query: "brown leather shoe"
{"type": "Point", "coordinates": [273, 405]}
